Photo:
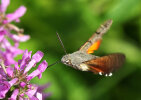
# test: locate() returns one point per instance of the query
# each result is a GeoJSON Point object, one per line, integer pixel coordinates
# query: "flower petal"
{"type": "Point", "coordinates": [38, 72]}
{"type": "Point", "coordinates": [33, 74]}
{"type": "Point", "coordinates": [35, 58]}
{"type": "Point", "coordinates": [10, 71]}
{"type": "Point", "coordinates": [16, 67]}
{"type": "Point", "coordinates": [38, 56]}
{"type": "Point", "coordinates": [25, 59]}
{"type": "Point", "coordinates": [17, 14]}
{"type": "Point", "coordinates": [13, 81]}
{"type": "Point", "coordinates": [31, 92]}
{"type": "Point", "coordinates": [22, 84]}
{"type": "Point", "coordinates": [43, 87]}
{"type": "Point", "coordinates": [4, 4]}
{"type": "Point", "coordinates": [45, 95]}
{"type": "Point", "coordinates": [2, 33]}
{"type": "Point", "coordinates": [21, 38]}
{"type": "Point", "coordinates": [8, 58]}
{"type": "Point", "coordinates": [4, 88]}
{"type": "Point", "coordinates": [3, 74]}
{"type": "Point", "coordinates": [42, 67]}
{"type": "Point", "coordinates": [39, 96]}
{"type": "Point", "coordinates": [14, 95]}
{"type": "Point", "coordinates": [34, 98]}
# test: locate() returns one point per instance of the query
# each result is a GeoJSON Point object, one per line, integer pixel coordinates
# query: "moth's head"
{"type": "Point", "coordinates": [66, 60]}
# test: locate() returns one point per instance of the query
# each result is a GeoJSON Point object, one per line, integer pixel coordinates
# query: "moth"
{"type": "Point", "coordinates": [83, 59]}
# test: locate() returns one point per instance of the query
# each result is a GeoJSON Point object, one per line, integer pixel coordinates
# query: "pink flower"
{"type": "Point", "coordinates": [8, 51]}
{"type": "Point", "coordinates": [20, 79]}
{"type": "Point", "coordinates": [14, 76]}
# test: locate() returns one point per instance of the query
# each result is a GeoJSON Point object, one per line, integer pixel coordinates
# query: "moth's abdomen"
{"type": "Point", "coordinates": [106, 64]}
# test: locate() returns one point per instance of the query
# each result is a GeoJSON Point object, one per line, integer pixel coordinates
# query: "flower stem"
{"type": "Point", "coordinates": [3, 67]}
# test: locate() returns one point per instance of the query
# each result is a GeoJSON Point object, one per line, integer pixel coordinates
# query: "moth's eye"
{"type": "Point", "coordinates": [67, 61]}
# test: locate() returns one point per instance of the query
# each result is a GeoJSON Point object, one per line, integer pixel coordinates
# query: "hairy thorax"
{"type": "Point", "coordinates": [75, 59]}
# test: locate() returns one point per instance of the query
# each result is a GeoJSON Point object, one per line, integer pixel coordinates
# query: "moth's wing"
{"type": "Point", "coordinates": [106, 64]}
{"type": "Point", "coordinates": [93, 42]}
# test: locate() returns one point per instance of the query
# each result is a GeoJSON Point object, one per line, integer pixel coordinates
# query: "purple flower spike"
{"type": "Point", "coordinates": [14, 77]}
{"type": "Point", "coordinates": [14, 95]}
{"type": "Point", "coordinates": [21, 81]}
{"type": "Point", "coordinates": [9, 51]}
{"type": "Point", "coordinates": [4, 4]}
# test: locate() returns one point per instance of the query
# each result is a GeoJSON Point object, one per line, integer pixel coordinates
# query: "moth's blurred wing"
{"type": "Point", "coordinates": [106, 64]}
{"type": "Point", "coordinates": [94, 41]}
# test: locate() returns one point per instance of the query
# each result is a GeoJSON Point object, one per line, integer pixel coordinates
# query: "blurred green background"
{"type": "Point", "coordinates": [76, 21]}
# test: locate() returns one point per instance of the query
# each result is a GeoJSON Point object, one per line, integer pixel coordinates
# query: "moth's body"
{"type": "Point", "coordinates": [84, 61]}
{"type": "Point", "coordinates": [76, 60]}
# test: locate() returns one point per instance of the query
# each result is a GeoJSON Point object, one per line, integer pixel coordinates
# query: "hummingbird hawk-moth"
{"type": "Point", "coordinates": [83, 59]}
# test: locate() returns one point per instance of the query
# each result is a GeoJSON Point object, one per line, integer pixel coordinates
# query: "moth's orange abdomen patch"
{"type": "Point", "coordinates": [95, 46]}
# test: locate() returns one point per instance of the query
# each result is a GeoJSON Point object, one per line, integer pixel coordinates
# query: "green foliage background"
{"type": "Point", "coordinates": [76, 21]}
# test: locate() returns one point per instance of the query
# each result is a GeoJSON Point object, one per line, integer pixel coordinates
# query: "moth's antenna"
{"type": "Point", "coordinates": [54, 63]}
{"type": "Point", "coordinates": [61, 42]}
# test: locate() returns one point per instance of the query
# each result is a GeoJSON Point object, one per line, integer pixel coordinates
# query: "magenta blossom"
{"type": "Point", "coordinates": [17, 80]}
{"type": "Point", "coordinates": [8, 51]}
